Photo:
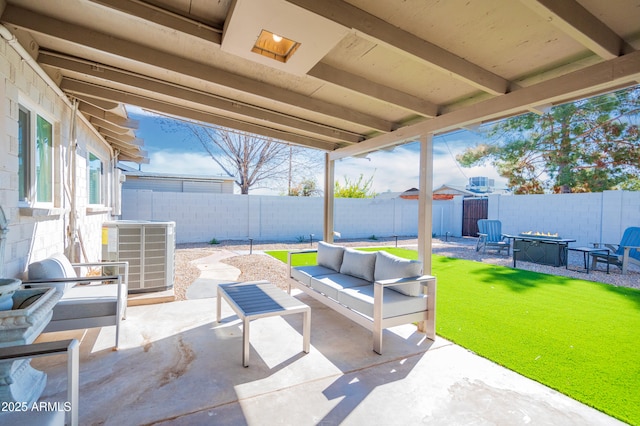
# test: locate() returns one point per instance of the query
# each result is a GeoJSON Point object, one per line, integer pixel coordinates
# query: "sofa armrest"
{"type": "Point", "coordinates": [428, 283]}
{"type": "Point", "coordinates": [294, 252]}
{"type": "Point", "coordinates": [73, 279]}
{"type": "Point", "coordinates": [423, 280]}
{"type": "Point", "coordinates": [102, 265]}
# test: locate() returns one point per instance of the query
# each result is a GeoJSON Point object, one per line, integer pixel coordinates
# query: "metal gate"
{"type": "Point", "coordinates": [472, 210]}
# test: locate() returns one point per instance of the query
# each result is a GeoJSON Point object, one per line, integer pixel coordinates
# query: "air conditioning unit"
{"type": "Point", "coordinates": [149, 247]}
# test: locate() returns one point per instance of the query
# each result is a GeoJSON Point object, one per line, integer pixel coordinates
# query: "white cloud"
{"type": "Point", "coordinates": [394, 171]}
{"type": "Point", "coordinates": [182, 163]}
{"type": "Point", "coordinates": [398, 170]}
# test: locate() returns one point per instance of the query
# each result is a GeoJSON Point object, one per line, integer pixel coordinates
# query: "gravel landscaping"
{"type": "Point", "coordinates": [257, 266]}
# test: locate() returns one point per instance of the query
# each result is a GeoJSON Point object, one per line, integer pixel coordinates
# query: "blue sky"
{"type": "Point", "coordinates": [394, 171]}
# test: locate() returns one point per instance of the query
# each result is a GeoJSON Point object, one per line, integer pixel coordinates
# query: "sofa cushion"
{"type": "Point", "coordinates": [360, 264]}
{"type": "Point", "coordinates": [330, 255]}
{"type": "Point", "coordinates": [331, 284]}
{"type": "Point", "coordinates": [304, 273]}
{"type": "Point", "coordinates": [389, 266]}
{"type": "Point", "coordinates": [88, 301]}
{"type": "Point", "coordinates": [56, 266]}
{"type": "Point", "coordinates": [361, 300]}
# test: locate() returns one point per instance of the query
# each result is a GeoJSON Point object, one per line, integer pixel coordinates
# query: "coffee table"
{"type": "Point", "coordinates": [260, 299]}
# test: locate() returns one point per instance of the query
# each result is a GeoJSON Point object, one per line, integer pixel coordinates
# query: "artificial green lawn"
{"type": "Point", "coordinates": [578, 337]}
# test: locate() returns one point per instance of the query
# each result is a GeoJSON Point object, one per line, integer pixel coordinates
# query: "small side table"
{"type": "Point", "coordinates": [586, 251]}
{"type": "Point", "coordinates": [260, 299]}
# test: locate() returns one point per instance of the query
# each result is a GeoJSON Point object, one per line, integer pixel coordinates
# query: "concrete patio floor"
{"type": "Point", "coordinates": [177, 365]}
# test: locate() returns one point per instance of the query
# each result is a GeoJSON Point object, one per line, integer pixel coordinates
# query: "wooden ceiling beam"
{"type": "Point", "coordinates": [324, 72]}
{"type": "Point", "coordinates": [116, 119]}
{"type": "Point", "coordinates": [80, 67]}
{"type": "Point", "coordinates": [100, 104]}
{"type": "Point", "coordinates": [589, 81]}
{"type": "Point", "coordinates": [578, 23]}
{"type": "Point", "coordinates": [378, 91]}
{"type": "Point", "coordinates": [125, 147]}
{"type": "Point", "coordinates": [394, 37]}
{"type": "Point", "coordinates": [74, 87]}
{"type": "Point", "coordinates": [124, 138]}
{"type": "Point", "coordinates": [132, 51]}
{"type": "Point", "coordinates": [123, 156]}
{"type": "Point", "coordinates": [165, 18]}
{"type": "Point", "coordinates": [105, 124]}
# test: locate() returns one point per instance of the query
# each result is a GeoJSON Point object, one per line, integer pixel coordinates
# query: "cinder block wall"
{"type": "Point", "coordinates": [201, 217]}
{"type": "Point", "coordinates": [36, 232]}
{"type": "Point", "coordinates": [587, 218]}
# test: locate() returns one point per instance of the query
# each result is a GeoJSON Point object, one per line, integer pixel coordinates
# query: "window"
{"type": "Point", "coordinates": [24, 181]}
{"type": "Point", "coordinates": [95, 179]}
{"type": "Point", "coordinates": [35, 157]}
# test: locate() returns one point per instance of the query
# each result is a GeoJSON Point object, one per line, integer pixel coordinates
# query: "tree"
{"type": "Point", "coordinates": [354, 189]}
{"type": "Point", "coordinates": [306, 188]}
{"type": "Point", "coordinates": [586, 146]}
{"type": "Point", "coordinates": [632, 184]}
{"type": "Point", "coordinates": [254, 161]}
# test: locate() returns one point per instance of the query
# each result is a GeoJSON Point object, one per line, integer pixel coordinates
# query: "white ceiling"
{"type": "Point", "coordinates": [368, 74]}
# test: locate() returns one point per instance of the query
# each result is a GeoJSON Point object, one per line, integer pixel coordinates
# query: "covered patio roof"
{"type": "Point", "coordinates": [346, 77]}
{"type": "Point", "coordinates": [359, 75]}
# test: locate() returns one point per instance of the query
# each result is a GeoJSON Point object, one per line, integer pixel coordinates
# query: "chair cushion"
{"type": "Point", "coordinates": [360, 264]}
{"type": "Point", "coordinates": [305, 273]}
{"type": "Point", "coordinates": [330, 255]}
{"type": "Point", "coordinates": [389, 266]}
{"type": "Point", "coordinates": [56, 266]}
{"type": "Point", "coordinates": [87, 301]}
{"type": "Point", "coordinates": [361, 300]}
{"type": "Point", "coordinates": [331, 284]}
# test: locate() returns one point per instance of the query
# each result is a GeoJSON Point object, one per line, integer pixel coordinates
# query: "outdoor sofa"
{"type": "Point", "coordinates": [374, 289]}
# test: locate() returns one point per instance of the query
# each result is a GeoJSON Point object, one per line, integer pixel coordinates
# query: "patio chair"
{"type": "Point", "coordinates": [622, 254]}
{"type": "Point", "coordinates": [87, 301]}
{"type": "Point", "coordinates": [490, 236]}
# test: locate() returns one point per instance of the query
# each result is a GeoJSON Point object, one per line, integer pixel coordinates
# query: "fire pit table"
{"type": "Point", "coordinates": [541, 249]}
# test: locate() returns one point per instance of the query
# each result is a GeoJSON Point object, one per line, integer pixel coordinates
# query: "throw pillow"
{"type": "Point", "coordinates": [330, 255]}
{"type": "Point", "coordinates": [389, 266]}
{"type": "Point", "coordinates": [357, 263]}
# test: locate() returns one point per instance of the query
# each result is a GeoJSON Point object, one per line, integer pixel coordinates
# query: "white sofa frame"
{"type": "Point", "coordinates": [377, 324]}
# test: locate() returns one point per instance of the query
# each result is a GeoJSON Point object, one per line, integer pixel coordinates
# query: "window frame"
{"type": "Point", "coordinates": [101, 179]}
{"type": "Point", "coordinates": [29, 154]}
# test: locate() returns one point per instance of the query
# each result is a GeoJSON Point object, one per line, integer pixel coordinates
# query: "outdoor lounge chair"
{"type": "Point", "coordinates": [490, 236]}
{"type": "Point", "coordinates": [87, 301]}
{"type": "Point", "coordinates": [620, 255]}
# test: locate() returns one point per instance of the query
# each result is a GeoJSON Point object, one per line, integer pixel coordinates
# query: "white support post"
{"type": "Point", "coordinates": [329, 178]}
{"type": "Point", "coordinates": [425, 202]}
